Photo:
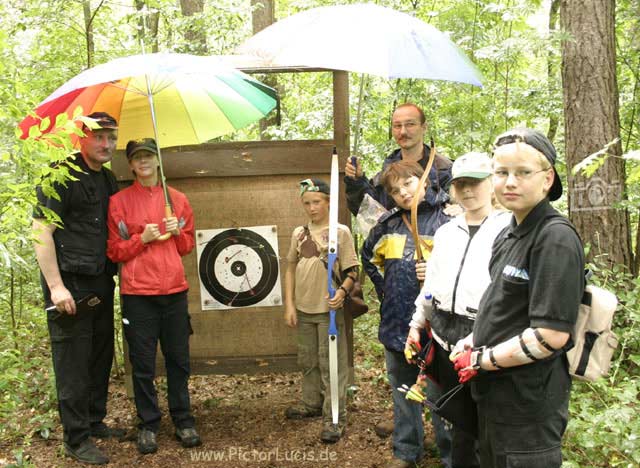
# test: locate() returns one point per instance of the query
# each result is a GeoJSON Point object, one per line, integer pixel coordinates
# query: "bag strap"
{"type": "Point", "coordinates": [306, 234]}
{"type": "Point", "coordinates": [562, 220]}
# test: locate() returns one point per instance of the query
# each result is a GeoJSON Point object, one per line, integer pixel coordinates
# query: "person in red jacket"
{"type": "Point", "coordinates": [154, 289]}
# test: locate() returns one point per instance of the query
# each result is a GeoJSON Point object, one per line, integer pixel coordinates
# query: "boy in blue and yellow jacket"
{"type": "Point", "coordinates": [388, 257]}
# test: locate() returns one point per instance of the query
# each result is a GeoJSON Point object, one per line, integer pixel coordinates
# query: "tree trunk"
{"type": "Point", "coordinates": [552, 68]}
{"type": "Point", "coordinates": [195, 34]}
{"type": "Point", "coordinates": [262, 15]}
{"type": "Point", "coordinates": [147, 26]}
{"type": "Point", "coordinates": [88, 31]}
{"type": "Point", "coordinates": [592, 120]}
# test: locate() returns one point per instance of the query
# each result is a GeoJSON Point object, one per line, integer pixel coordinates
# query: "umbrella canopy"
{"type": "Point", "coordinates": [195, 98]}
{"type": "Point", "coordinates": [363, 38]}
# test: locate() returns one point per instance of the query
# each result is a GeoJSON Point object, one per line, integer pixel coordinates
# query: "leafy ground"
{"type": "Point", "coordinates": [241, 420]}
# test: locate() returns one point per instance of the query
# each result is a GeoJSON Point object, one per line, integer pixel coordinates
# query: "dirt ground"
{"type": "Point", "coordinates": [241, 421]}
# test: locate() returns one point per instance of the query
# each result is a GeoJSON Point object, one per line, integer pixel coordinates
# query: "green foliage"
{"type": "Point", "coordinates": [26, 381]}
{"type": "Point", "coordinates": [43, 44]}
{"type": "Point", "coordinates": [604, 429]}
{"type": "Point", "coordinates": [365, 332]}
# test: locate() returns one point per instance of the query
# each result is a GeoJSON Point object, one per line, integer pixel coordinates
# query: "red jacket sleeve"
{"type": "Point", "coordinates": [185, 241]}
{"type": "Point", "coordinates": [121, 246]}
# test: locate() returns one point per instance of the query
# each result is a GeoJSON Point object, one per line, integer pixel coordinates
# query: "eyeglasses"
{"type": "Point", "coordinates": [519, 174]}
{"type": "Point", "coordinates": [408, 125]}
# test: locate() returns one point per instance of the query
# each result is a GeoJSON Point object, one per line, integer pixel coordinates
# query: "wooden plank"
{"type": "Point", "coordinates": [224, 365]}
{"type": "Point", "coordinates": [244, 365]}
{"type": "Point", "coordinates": [341, 134]}
{"type": "Point", "coordinates": [240, 159]}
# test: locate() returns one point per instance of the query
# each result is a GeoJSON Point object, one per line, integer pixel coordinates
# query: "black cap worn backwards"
{"type": "Point", "coordinates": [540, 142]}
{"type": "Point", "coordinates": [314, 185]}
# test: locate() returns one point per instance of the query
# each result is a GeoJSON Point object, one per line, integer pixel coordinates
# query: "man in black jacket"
{"type": "Point", "coordinates": [74, 265]}
{"type": "Point", "coordinates": [408, 126]}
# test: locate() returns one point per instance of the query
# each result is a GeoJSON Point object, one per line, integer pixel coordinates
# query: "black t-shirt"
{"type": "Point", "coordinates": [537, 279]}
{"type": "Point", "coordinates": [103, 191]}
{"type": "Point", "coordinates": [473, 228]}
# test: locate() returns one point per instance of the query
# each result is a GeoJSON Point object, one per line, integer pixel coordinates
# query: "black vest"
{"type": "Point", "coordinates": [81, 243]}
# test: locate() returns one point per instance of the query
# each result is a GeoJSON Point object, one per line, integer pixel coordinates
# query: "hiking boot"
{"type": "Point", "coordinates": [102, 431]}
{"type": "Point", "coordinates": [188, 437]}
{"type": "Point", "coordinates": [331, 433]}
{"type": "Point", "coordinates": [399, 463]}
{"type": "Point", "coordinates": [384, 428]}
{"type": "Point", "coordinates": [86, 452]}
{"type": "Point", "coordinates": [147, 441]}
{"type": "Point", "coordinates": [302, 411]}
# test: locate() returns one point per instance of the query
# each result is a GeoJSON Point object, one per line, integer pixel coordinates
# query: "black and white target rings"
{"type": "Point", "coordinates": [239, 267]}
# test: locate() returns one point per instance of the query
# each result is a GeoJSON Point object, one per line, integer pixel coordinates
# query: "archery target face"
{"type": "Point", "coordinates": [238, 267]}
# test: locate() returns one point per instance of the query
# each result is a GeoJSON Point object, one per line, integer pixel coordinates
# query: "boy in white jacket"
{"type": "Point", "coordinates": [456, 276]}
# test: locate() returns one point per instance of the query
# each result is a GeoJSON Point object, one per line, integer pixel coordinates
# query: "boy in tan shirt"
{"type": "Point", "coordinates": [307, 307]}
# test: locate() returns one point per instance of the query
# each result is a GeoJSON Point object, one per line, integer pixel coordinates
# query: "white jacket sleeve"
{"type": "Point", "coordinates": [423, 303]}
{"type": "Point", "coordinates": [423, 310]}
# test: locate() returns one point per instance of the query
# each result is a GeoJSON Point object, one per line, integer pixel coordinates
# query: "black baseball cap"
{"type": "Point", "coordinates": [99, 121]}
{"type": "Point", "coordinates": [147, 144]}
{"type": "Point", "coordinates": [540, 142]}
{"type": "Point", "coordinates": [314, 185]}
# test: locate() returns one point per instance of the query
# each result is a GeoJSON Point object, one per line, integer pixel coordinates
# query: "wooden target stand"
{"type": "Point", "coordinates": [239, 184]}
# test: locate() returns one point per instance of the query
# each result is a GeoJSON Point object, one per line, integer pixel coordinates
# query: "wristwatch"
{"type": "Point", "coordinates": [475, 360]}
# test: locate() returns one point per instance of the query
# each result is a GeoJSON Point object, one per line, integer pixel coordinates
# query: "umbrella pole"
{"type": "Point", "coordinates": [356, 136]}
{"type": "Point", "coordinates": [168, 211]}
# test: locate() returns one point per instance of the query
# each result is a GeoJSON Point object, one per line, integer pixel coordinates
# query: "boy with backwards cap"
{"type": "Point", "coordinates": [516, 353]}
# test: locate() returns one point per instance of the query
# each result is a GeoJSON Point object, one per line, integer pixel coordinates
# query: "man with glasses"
{"type": "Point", "coordinates": [74, 266]}
{"type": "Point", "coordinates": [408, 126]}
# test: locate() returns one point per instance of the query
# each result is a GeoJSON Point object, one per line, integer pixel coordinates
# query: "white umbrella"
{"type": "Point", "coordinates": [363, 38]}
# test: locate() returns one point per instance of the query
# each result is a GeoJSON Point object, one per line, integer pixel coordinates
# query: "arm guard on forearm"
{"type": "Point", "coordinates": [527, 347]}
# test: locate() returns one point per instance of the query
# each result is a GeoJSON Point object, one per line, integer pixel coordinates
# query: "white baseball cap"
{"type": "Point", "coordinates": [474, 165]}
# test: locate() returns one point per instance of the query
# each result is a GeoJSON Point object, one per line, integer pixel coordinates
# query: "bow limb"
{"type": "Point", "coordinates": [416, 201]}
{"type": "Point", "coordinates": [332, 258]}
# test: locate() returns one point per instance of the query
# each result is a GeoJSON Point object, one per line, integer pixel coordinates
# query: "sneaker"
{"type": "Point", "coordinates": [147, 441]}
{"type": "Point", "coordinates": [399, 463]}
{"type": "Point", "coordinates": [384, 428]}
{"type": "Point", "coordinates": [301, 411]}
{"type": "Point", "coordinates": [188, 437]}
{"type": "Point", "coordinates": [86, 452]}
{"type": "Point", "coordinates": [102, 431]}
{"type": "Point", "coordinates": [331, 433]}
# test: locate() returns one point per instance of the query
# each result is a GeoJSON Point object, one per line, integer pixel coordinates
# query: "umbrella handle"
{"type": "Point", "coordinates": [168, 212]}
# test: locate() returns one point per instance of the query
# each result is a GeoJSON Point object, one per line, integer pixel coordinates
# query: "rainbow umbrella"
{"type": "Point", "coordinates": [179, 99]}
{"type": "Point", "coordinates": [194, 99]}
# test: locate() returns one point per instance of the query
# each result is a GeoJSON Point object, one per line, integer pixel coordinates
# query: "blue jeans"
{"type": "Point", "coordinates": [408, 429]}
